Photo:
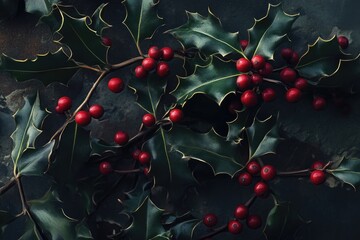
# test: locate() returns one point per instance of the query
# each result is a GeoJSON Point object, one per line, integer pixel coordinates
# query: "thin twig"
{"type": "Point", "coordinates": [293, 173]}
{"type": "Point", "coordinates": [127, 62]}
{"type": "Point", "coordinates": [90, 68]}
{"type": "Point", "coordinates": [250, 201]}
{"type": "Point", "coordinates": [215, 232]}
{"type": "Point", "coordinates": [128, 171]}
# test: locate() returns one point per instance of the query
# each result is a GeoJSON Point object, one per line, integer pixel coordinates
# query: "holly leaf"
{"type": "Point", "coordinates": [237, 126]}
{"type": "Point", "coordinates": [223, 156]}
{"type": "Point", "coordinates": [282, 222]}
{"type": "Point", "coordinates": [39, 7]}
{"type": "Point", "coordinates": [216, 79]}
{"type": "Point", "coordinates": [269, 32]}
{"type": "Point", "coordinates": [207, 34]}
{"type": "Point", "coordinates": [348, 171]}
{"type": "Point", "coordinates": [146, 221]}
{"type": "Point", "coordinates": [263, 137]}
{"type": "Point", "coordinates": [100, 147]}
{"type": "Point", "coordinates": [84, 43]}
{"type": "Point", "coordinates": [48, 68]}
{"type": "Point", "coordinates": [184, 230]}
{"type": "Point", "coordinates": [97, 22]}
{"type": "Point", "coordinates": [320, 60]}
{"type": "Point", "coordinates": [141, 19]}
{"type": "Point", "coordinates": [5, 219]}
{"type": "Point", "coordinates": [190, 63]}
{"type": "Point", "coordinates": [138, 194]}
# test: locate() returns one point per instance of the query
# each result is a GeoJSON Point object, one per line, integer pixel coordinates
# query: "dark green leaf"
{"type": "Point", "coordinates": [216, 79]}
{"type": "Point", "coordinates": [141, 18]}
{"type": "Point", "coordinates": [282, 222]}
{"type": "Point", "coordinates": [207, 34]}
{"type": "Point", "coordinates": [320, 60]}
{"type": "Point", "coordinates": [8, 8]}
{"type": "Point", "coordinates": [99, 147]}
{"type": "Point", "coordinates": [237, 126]}
{"type": "Point", "coordinates": [137, 195]}
{"type": "Point", "coordinates": [269, 32]}
{"type": "Point", "coordinates": [198, 60]}
{"type": "Point", "coordinates": [39, 7]}
{"type": "Point", "coordinates": [97, 22]}
{"type": "Point", "coordinates": [263, 137]}
{"type": "Point", "coordinates": [5, 219]}
{"type": "Point", "coordinates": [30, 231]}
{"type": "Point", "coordinates": [146, 222]}
{"type": "Point", "coordinates": [48, 68]}
{"type": "Point", "coordinates": [184, 230]}
{"type": "Point", "coordinates": [348, 171]}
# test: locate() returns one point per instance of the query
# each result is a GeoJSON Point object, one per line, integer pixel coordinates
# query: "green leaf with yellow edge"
{"type": "Point", "coordinates": [269, 32]}
{"type": "Point", "coordinates": [141, 18]}
{"type": "Point", "coordinates": [207, 34]}
{"type": "Point", "coordinates": [146, 222]}
{"type": "Point", "coordinates": [39, 7]}
{"type": "Point", "coordinates": [237, 126]}
{"type": "Point", "coordinates": [97, 22]}
{"type": "Point", "coordinates": [216, 79]}
{"type": "Point", "coordinates": [138, 194]}
{"type": "Point", "coordinates": [48, 68]}
{"type": "Point", "coordinates": [348, 171]}
{"type": "Point", "coordinates": [320, 60]}
{"type": "Point", "coordinates": [263, 137]}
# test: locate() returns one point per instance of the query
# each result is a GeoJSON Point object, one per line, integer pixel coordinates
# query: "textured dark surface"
{"type": "Point", "coordinates": [333, 211]}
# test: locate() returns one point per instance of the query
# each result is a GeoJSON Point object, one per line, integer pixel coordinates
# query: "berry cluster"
{"type": "Point", "coordinates": [150, 63]}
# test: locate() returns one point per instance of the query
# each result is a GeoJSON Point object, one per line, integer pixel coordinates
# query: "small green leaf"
{"type": "Point", "coordinates": [269, 32]}
{"type": "Point", "coordinates": [320, 60]}
{"type": "Point", "coordinates": [146, 221]}
{"type": "Point", "coordinates": [216, 80]}
{"type": "Point", "coordinates": [100, 147]}
{"type": "Point", "coordinates": [97, 22]}
{"type": "Point", "coordinates": [263, 137]}
{"type": "Point", "coordinates": [39, 7]}
{"type": "Point", "coordinates": [48, 68]}
{"type": "Point", "coordinates": [237, 126]}
{"type": "Point", "coordinates": [141, 18]}
{"type": "Point", "coordinates": [198, 60]}
{"type": "Point", "coordinates": [138, 194]}
{"type": "Point", "coordinates": [282, 222]}
{"type": "Point", "coordinates": [207, 34]}
{"type": "Point", "coordinates": [184, 230]}
{"type": "Point", "coordinates": [348, 171]}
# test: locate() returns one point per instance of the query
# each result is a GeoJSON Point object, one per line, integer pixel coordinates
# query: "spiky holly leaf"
{"type": "Point", "coordinates": [138, 194]}
{"type": "Point", "coordinates": [97, 22]}
{"type": "Point", "coordinates": [348, 171]}
{"type": "Point", "coordinates": [56, 223]}
{"type": "Point", "coordinates": [99, 147]}
{"type": "Point", "coordinates": [197, 60]}
{"type": "Point", "coordinates": [207, 34]}
{"type": "Point", "coordinates": [84, 43]}
{"type": "Point", "coordinates": [183, 230]}
{"type": "Point", "coordinates": [72, 154]}
{"type": "Point", "coordinates": [141, 19]}
{"type": "Point", "coordinates": [282, 222]}
{"type": "Point", "coordinates": [320, 60]}
{"type": "Point", "coordinates": [48, 68]}
{"type": "Point", "coordinates": [215, 79]}
{"type": "Point", "coordinates": [262, 137]}
{"type": "Point", "coordinates": [237, 126]}
{"type": "Point", "coordinates": [39, 7]}
{"type": "Point", "coordinates": [146, 221]}
{"type": "Point", "coordinates": [223, 156]}
{"type": "Point", "coordinates": [269, 32]}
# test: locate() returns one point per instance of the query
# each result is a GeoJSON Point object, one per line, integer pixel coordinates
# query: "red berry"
{"type": "Point", "coordinates": [135, 154]}
{"type": "Point", "coordinates": [256, 79]}
{"type": "Point", "coordinates": [167, 53]}
{"type": "Point", "coordinates": [343, 42]}
{"type": "Point", "coordinates": [121, 138]}
{"type": "Point", "coordinates": [64, 103]}
{"type": "Point", "coordinates": [140, 72]}
{"type": "Point", "coordinates": [253, 168]}
{"type": "Point", "coordinates": [268, 172]}
{"type": "Point", "coordinates": [245, 179]}
{"type": "Point", "coordinates": [58, 109]}
{"type": "Point", "coordinates": [176, 115]}
{"type": "Point", "coordinates": [244, 43]}
{"type": "Point", "coordinates": [162, 69]}
{"type": "Point", "coordinates": [249, 98]}
{"type": "Point", "coordinates": [96, 111]}
{"type": "Point", "coordinates": [105, 168]}
{"type": "Point", "coordinates": [317, 165]}
{"type": "Point", "coordinates": [317, 177]}
{"type": "Point", "coordinates": [243, 65]}
{"type": "Point", "coordinates": [294, 58]}
{"type": "Point", "coordinates": [288, 75]}
{"type": "Point", "coordinates": [235, 227]}
{"type": "Point", "coordinates": [148, 120]}
{"type": "Point", "coordinates": [82, 118]}
{"type": "Point", "coordinates": [154, 52]}
{"type": "Point", "coordinates": [319, 103]}
{"type": "Point", "coordinates": [106, 41]}
{"type": "Point", "coordinates": [268, 94]}
{"type": "Point", "coordinates": [286, 53]}
{"type": "Point", "coordinates": [210, 220]}
{"type": "Point", "coordinates": [148, 64]}
{"type": "Point", "coordinates": [116, 84]}
{"type": "Point", "coordinates": [266, 70]}
{"type": "Point", "coordinates": [301, 83]}
{"type": "Point", "coordinates": [243, 82]}
{"type": "Point", "coordinates": [254, 221]}
{"type": "Point", "coordinates": [241, 211]}
{"type": "Point", "coordinates": [144, 157]}
{"type": "Point", "coordinates": [146, 171]}
{"type": "Point", "coordinates": [258, 62]}
{"type": "Point", "coordinates": [293, 95]}
{"type": "Point", "coordinates": [261, 189]}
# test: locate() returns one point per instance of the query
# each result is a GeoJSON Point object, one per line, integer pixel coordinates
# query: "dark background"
{"type": "Point", "coordinates": [334, 211]}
